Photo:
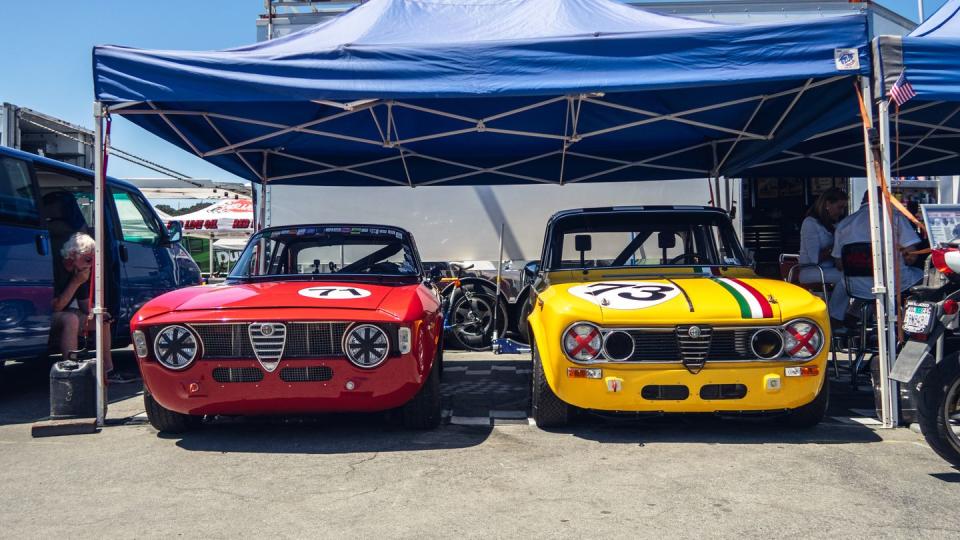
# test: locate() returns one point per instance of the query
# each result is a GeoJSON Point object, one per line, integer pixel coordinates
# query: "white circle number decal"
{"type": "Point", "coordinates": [628, 295]}
{"type": "Point", "coordinates": [335, 293]}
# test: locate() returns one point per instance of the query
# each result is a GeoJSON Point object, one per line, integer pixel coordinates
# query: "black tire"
{"type": "Point", "coordinates": [165, 420]}
{"type": "Point", "coordinates": [939, 400]}
{"type": "Point", "coordinates": [812, 413]}
{"type": "Point", "coordinates": [423, 411]}
{"type": "Point", "coordinates": [523, 327]}
{"type": "Point", "coordinates": [549, 411]}
{"type": "Point", "coordinates": [472, 319]}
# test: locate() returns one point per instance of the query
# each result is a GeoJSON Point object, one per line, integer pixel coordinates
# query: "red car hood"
{"type": "Point", "coordinates": [288, 294]}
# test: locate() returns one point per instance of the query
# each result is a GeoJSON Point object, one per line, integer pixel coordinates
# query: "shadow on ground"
{"type": "Point", "coordinates": [25, 388]}
{"type": "Point", "coordinates": [339, 434]}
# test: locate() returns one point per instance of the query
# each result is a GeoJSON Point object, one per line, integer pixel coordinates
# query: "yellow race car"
{"type": "Point", "coordinates": [655, 310]}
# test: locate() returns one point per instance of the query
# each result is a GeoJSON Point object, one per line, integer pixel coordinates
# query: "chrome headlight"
{"type": "Point", "coordinates": [140, 344]}
{"type": "Point", "coordinates": [767, 343]}
{"type": "Point", "coordinates": [176, 347]}
{"type": "Point", "coordinates": [582, 342]}
{"type": "Point", "coordinates": [802, 339]}
{"type": "Point", "coordinates": [366, 345]}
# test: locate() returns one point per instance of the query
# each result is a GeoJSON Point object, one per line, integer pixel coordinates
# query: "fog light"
{"type": "Point", "coordinates": [772, 383]}
{"type": "Point", "coordinates": [140, 344]}
{"type": "Point", "coordinates": [403, 338]}
{"type": "Point", "coordinates": [193, 388]}
{"type": "Point", "coordinates": [350, 385]}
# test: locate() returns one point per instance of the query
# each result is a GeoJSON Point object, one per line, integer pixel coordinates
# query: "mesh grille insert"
{"type": "Point", "coordinates": [306, 374]}
{"type": "Point", "coordinates": [303, 340]}
{"type": "Point", "coordinates": [664, 392]}
{"type": "Point", "coordinates": [237, 375]}
{"type": "Point", "coordinates": [723, 391]}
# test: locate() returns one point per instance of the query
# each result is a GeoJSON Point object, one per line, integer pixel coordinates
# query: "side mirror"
{"type": "Point", "coordinates": [530, 271]}
{"type": "Point", "coordinates": [174, 231]}
{"type": "Point", "coordinates": [582, 242]}
{"type": "Point", "coordinates": [666, 240]}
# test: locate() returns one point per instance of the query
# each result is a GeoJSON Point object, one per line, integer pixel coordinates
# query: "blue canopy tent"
{"type": "Point", "coordinates": [457, 92]}
{"type": "Point", "coordinates": [524, 91]}
{"type": "Point", "coordinates": [926, 131]}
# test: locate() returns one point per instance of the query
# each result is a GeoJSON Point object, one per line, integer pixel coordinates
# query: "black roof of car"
{"type": "Point", "coordinates": [338, 226]}
{"type": "Point", "coordinates": [625, 209]}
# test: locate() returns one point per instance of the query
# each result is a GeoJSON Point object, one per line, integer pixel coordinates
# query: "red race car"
{"type": "Point", "coordinates": [313, 318]}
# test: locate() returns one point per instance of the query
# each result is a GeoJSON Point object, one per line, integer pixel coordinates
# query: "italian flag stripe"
{"type": "Point", "coordinates": [765, 308]}
{"type": "Point", "coordinates": [752, 304]}
{"type": "Point", "coordinates": [744, 306]}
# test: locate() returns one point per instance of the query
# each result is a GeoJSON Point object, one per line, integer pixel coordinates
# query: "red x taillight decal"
{"type": "Point", "coordinates": [803, 341]}
{"type": "Point", "coordinates": [583, 343]}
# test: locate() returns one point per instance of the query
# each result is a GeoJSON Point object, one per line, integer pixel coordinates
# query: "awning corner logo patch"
{"type": "Point", "coordinates": [334, 293]}
{"type": "Point", "coordinates": [847, 59]}
{"type": "Point", "coordinates": [625, 295]}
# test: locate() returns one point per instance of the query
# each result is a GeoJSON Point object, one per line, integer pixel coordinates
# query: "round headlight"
{"type": "Point", "coordinates": [176, 347]}
{"type": "Point", "coordinates": [802, 339]}
{"type": "Point", "coordinates": [582, 342]}
{"type": "Point", "coordinates": [766, 344]}
{"type": "Point", "coordinates": [366, 345]}
{"type": "Point", "coordinates": [618, 346]}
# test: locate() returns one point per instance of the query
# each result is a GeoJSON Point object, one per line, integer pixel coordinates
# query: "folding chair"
{"type": "Point", "coordinates": [857, 261]}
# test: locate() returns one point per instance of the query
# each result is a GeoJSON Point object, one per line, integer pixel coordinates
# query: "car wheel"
{"type": "Point", "coordinates": [472, 320]}
{"type": "Point", "coordinates": [165, 420]}
{"type": "Point", "coordinates": [812, 413]}
{"type": "Point", "coordinates": [938, 410]}
{"type": "Point", "coordinates": [523, 327]}
{"type": "Point", "coordinates": [423, 411]}
{"type": "Point", "coordinates": [549, 411]}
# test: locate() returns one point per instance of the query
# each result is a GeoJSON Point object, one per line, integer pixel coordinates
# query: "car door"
{"type": "Point", "coordinates": [148, 265]}
{"type": "Point", "coordinates": [26, 265]}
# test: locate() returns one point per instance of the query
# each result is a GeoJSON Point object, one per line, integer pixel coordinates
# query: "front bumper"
{"type": "Point", "coordinates": [649, 388]}
{"type": "Point", "coordinates": [195, 390]}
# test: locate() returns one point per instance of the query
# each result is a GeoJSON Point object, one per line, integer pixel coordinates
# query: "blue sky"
{"type": "Point", "coordinates": [46, 64]}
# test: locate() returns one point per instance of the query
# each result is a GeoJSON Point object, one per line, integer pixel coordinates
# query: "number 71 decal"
{"type": "Point", "coordinates": [628, 295]}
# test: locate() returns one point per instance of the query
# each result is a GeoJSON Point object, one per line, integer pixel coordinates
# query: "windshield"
{"type": "Point", "coordinates": [642, 239]}
{"type": "Point", "coordinates": [324, 252]}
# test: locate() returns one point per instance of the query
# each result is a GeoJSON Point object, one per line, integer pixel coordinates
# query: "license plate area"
{"type": "Point", "coordinates": [918, 317]}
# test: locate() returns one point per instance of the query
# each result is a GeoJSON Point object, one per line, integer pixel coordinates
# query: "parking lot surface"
{"type": "Point", "coordinates": [485, 473]}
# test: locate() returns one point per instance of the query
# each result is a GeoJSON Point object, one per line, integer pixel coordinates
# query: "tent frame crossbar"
{"type": "Point", "coordinates": [389, 136]}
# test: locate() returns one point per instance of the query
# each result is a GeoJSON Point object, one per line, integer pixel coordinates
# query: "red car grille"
{"type": "Point", "coordinates": [237, 375]}
{"type": "Point", "coordinates": [306, 374]}
{"type": "Point", "coordinates": [303, 340]}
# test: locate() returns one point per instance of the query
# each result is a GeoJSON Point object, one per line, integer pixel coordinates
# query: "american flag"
{"type": "Point", "coordinates": [902, 90]}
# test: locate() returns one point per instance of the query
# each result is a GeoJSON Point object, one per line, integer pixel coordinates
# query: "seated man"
{"type": "Point", "coordinates": [71, 301]}
{"type": "Point", "coordinates": [856, 228]}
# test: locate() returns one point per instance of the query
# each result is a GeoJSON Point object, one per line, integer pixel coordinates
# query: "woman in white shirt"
{"type": "Point", "coordinates": [816, 243]}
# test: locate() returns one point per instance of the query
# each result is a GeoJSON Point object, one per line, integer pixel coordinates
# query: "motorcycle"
{"type": "Point", "coordinates": [929, 362]}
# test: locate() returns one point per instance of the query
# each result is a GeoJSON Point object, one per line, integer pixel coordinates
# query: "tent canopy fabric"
{"type": "Point", "coordinates": [461, 92]}
{"type": "Point", "coordinates": [928, 126]}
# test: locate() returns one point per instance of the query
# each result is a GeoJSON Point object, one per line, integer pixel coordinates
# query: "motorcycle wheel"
{"type": "Point", "coordinates": [938, 411]}
{"type": "Point", "coordinates": [472, 320]}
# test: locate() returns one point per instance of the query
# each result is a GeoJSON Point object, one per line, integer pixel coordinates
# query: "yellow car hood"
{"type": "Point", "coordinates": [658, 300]}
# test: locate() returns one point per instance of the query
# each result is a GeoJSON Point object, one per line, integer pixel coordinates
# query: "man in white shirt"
{"type": "Point", "coordinates": [856, 228]}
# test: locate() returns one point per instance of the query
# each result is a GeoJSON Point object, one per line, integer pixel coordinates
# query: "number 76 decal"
{"type": "Point", "coordinates": [625, 295]}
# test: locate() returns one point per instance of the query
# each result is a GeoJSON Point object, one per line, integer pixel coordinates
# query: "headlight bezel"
{"type": "Point", "coordinates": [196, 352]}
{"type": "Point", "coordinates": [598, 350]}
{"type": "Point", "coordinates": [386, 344]}
{"type": "Point", "coordinates": [787, 336]}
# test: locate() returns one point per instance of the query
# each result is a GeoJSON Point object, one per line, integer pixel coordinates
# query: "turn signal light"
{"type": "Point", "coordinates": [950, 307]}
{"type": "Point", "coordinates": [584, 373]}
{"type": "Point", "coordinates": [802, 371]}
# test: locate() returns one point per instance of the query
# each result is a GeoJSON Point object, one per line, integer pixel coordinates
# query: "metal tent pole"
{"type": "Point", "coordinates": [879, 289]}
{"type": "Point", "coordinates": [888, 387]}
{"type": "Point", "coordinates": [99, 235]}
{"type": "Point", "coordinates": [920, 11]}
{"type": "Point", "coordinates": [211, 255]}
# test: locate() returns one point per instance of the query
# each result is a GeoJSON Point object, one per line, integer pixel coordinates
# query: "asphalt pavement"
{"type": "Point", "coordinates": [487, 472]}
